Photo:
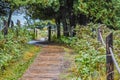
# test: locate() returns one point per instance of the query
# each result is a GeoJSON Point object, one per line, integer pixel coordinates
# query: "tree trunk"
{"type": "Point", "coordinates": [72, 25]}
{"type": "Point", "coordinates": [64, 10]}
{"type": "Point", "coordinates": [65, 28]}
{"type": "Point", "coordinates": [82, 19]}
{"type": "Point", "coordinates": [9, 18]}
{"type": "Point", "coordinates": [58, 28]}
{"type": "Point", "coordinates": [5, 29]}
{"type": "Point", "coordinates": [69, 9]}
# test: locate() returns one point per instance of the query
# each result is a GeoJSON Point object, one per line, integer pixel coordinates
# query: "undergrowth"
{"type": "Point", "coordinates": [16, 68]}
{"type": "Point", "coordinates": [14, 58]}
{"type": "Point", "coordinates": [90, 60]}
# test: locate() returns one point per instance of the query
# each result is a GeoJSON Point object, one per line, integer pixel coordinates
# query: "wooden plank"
{"type": "Point", "coordinates": [109, 61]}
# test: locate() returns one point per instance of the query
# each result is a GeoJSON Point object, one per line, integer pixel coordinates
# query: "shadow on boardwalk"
{"type": "Point", "coordinates": [48, 65]}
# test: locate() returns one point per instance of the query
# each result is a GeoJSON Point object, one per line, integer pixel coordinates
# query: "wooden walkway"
{"type": "Point", "coordinates": [47, 66]}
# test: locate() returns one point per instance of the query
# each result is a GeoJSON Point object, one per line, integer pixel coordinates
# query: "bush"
{"type": "Point", "coordinates": [90, 54]}
{"type": "Point", "coordinates": [12, 45]}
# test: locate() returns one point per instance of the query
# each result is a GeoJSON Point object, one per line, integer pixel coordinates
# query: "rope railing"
{"type": "Point", "coordinates": [114, 60]}
{"type": "Point", "coordinates": [100, 34]}
{"type": "Point", "coordinates": [102, 39]}
{"type": "Point", "coordinates": [110, 53]}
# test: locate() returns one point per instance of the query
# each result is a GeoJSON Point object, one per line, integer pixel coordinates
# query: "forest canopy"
{"type": "Point", "coordinates": [84, 11]}
{"type": "Point", "coordinates": [68, 12]}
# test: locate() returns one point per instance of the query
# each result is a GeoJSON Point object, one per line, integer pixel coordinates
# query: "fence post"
{"type": "Point", "coordinates": [109, 61]}
{"type": "Point", "coordinates": [99, 32]}
{"type": "Point", "coordinates": [5, 29]}
{"type": "Point", "coordinates": [49, 33]}
{"type": "Point", "coordinates": [34, 33]}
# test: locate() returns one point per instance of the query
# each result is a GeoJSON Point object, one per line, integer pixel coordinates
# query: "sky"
{"type": "Point", "coordinates": [18, 17]}
{"type": "Point", "coordinates": [14, 18]}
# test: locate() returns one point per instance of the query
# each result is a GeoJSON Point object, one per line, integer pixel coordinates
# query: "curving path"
{"type": "Point", "coordinates": [48, 64]}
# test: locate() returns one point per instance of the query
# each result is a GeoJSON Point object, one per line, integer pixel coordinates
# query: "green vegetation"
{"type": "Point", "coordinates": [11, 46]}
{"type": "Point", "coordinates": [73, 18]}
{"type": "Point", "coordinates": [90, 60]}
{"type": "Point", "coordinates": [68, 12]}
{"type": "Point", "coordinates": [15, 69]}
{"type": "Point", "coordinates": [14, 58]}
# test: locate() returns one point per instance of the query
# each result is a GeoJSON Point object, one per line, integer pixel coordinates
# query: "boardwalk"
{"type": "Point", "coordinates": [47, 66]}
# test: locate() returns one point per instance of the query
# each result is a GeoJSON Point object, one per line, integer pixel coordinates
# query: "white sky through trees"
{"type": "Point", "coordinates": [19, 17]}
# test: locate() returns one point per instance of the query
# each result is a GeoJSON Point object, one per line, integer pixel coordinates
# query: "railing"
{"type": "Point", "coordinates": [110, 59]}
{"type": "Point", "coordinates": [100, 35]}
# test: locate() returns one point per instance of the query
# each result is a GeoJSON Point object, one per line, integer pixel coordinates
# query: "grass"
{"type": "Point", "coordinates": [16, 68]}
{"type": "Point", "coordinates": [68, 59]}
{"type": "Point", "coordinates": [68, 75]}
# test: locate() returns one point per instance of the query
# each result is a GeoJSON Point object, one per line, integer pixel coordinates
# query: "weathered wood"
{"type": "Point", "coordinates": [17, 32]}
{"type": "Point", "coordinates": [109, 61]}
{"type": "Point", "coordinates": [49, 33]}
{"type": "Point", "coordinates": [18, 23]}
{"type": "Point", "coordinates": [12, 24]}
{"type": "Point", "coordinates": [5, 29]}
{"type": "Point", "coordinates": [114, 60]}
{"type": "Point", "coordinates": [34, 34]}
{"type": "Point", "coordinates": [99, 32]}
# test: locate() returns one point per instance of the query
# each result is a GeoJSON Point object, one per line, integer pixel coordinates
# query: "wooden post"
{"type": "Point", "coordinates": [12, 24]}
{"type": "Point", "coordinates": [99, 32]}
{"type": "Point", "coordinates": [49, 33]}
{"type": "Point", "coordinates": [58, 30]}
{"type": "Point", "coordinates": [5, 30]}
{"type": "Point", "coordinates": [17, 32]}
{"type": "Point", "coordinates": [34, 34]}
{"type": "Point", "coordinates": [18, 23]}
{"type": "Point", "coordinates": [109, 61]}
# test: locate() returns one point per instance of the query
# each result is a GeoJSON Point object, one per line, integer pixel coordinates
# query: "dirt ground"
{"type": "Point", "coordinates": [48, 65]}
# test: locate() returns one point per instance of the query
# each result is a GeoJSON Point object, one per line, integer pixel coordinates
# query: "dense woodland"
{"type": "Point", "coordinates": [78, 19]}
{"type": "Point", "coordinates": [67, 12]}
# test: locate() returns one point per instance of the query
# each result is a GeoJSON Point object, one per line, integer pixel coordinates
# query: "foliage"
{"type": "Point", "coordinates": [90, 54]}
{"type": "Point", "coordinates": [66, 40]}
{"type": "Point", "coordinates": [15, 69]}
{"type": "Point", "coordinates": [106, 12]}
{"type": "Point", "coordinates": [3, 7]}
{"type": "Point", "coordinates": [12, 45]}
{"type": "Point", "coordinates": [41, 8]}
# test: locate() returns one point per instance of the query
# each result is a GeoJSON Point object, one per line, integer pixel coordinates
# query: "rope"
{"type": "Point", "coordinates": [112, 54]}
{"type": "Point", "coordinates": [102, 39]}
{"type": "Point", "coordinates": [114, 60]}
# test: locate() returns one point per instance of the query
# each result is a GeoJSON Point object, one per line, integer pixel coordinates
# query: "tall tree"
{"type": "Point", "coordinates": [70, 12]}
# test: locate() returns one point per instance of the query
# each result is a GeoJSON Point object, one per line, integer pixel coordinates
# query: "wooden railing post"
{"type": "Point", "coordinates": [99, 32]}
{"type": "Point", "coordinates": [5, 29]}
{"type": "Point", "coordinates": [34, 33]}
{"type": "Point", "coordinates": [49, 33]}
{"type": "Point", "coordinates": [109, 61]}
